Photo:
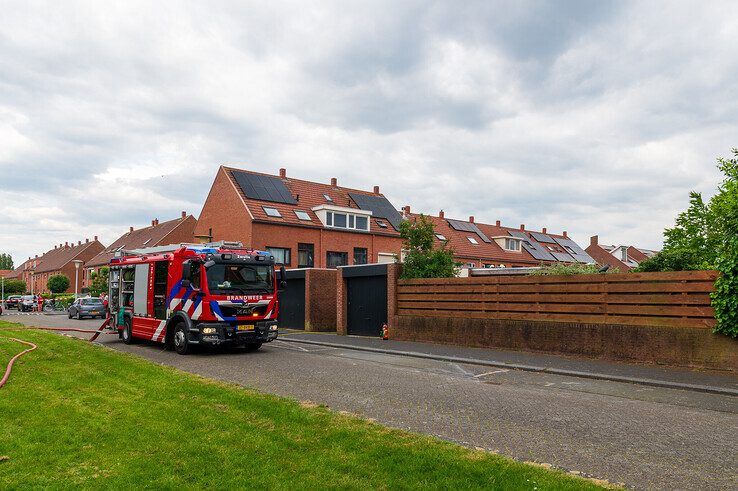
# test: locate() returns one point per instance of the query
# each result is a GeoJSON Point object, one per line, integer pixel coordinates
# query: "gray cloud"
{"type": "Point", "coordinates": [594, 117]}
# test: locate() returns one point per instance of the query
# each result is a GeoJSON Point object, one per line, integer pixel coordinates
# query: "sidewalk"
{"type": "Point", "coordinates": [653, 375]}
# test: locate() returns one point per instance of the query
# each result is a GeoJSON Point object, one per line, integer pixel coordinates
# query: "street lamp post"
{"type": "Point", "coordinates": [76, 262]}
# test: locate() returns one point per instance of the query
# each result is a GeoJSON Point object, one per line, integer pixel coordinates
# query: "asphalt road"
{"type": "Point", "coordinates": [644, 437]}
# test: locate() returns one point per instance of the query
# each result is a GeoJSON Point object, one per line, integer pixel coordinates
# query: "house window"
{"type": "Point", "coordinates": [302, 215]}
{"type": "Point", "coordinates": [329, 219]}
{"type": "Point", "coordinates": [339, 220]}
{"type": "Point", "coordinates": [360, 255]}
{"type": "Point", "coordinates": [351, 221]}
{"type": "Point", "coordinates": [305, 254]}
{"type": "Point", "coordinates": [335, 259]}
{"type": "Point", "coordinates": [473, 240]}
{"type": "Point", "coordinates": [281, 255]}
{"type": "Point", "coordinates": [328, 198]}
{"type": "Point", "coordinates": [441, 237]}
{"type": "Point", "coordinates": [512, 244]}
{"type": "Point", "coordinates": [272, 212]}
{"type": "Point", "coordinates": [362, 223]}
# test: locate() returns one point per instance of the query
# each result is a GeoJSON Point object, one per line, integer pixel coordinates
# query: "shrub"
{"type": "Point", "coordinates": [15, 287]}
{"type": "Point", "coordinates": [58, 283]}
{"type": "Point", "coordinates": [673, 260]}
{"type": "Point", "coordinates": [569, 269]}
{"type": "Point", "coordinates": [423, 258]}
{"type": "Point", "coordinates": [99, 283]}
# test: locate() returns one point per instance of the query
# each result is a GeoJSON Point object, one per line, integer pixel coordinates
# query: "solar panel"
{"type": "Point", "coordinates": [468, 227]}
{"type": "Point", "coordinates": [379, 206]}
{"type": "Point", "coordinates": [563, 257]}
{"type": "Point", "coordinates": [534, 248]}
{"type": "Point", "coordinates": [574, 249]}
{"type": "Point", "coordinates": [264, 188]}
{"type": "Point", "coordinates": [542, 237]}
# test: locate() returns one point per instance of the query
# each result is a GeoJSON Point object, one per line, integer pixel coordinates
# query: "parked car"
{"type": "Point", "coordinates": [86, 307]}
{"type": "Point", "coordinates": [28, 303]}
{"type": "Point", "coordinates": [13, 301]}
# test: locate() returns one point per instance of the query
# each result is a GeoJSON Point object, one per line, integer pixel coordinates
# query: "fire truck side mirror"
{"type": "Point", "coordinates": [282, 278]}
{"type": "Point", "coordinates": [186, 274]}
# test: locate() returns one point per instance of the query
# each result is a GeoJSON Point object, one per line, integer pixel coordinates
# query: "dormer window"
{"type": "Point", "coordinates": [272, 212]}
{"type": "Point", "coordinates": [341, 217]}
{"type": "Point", "coordinates": [512, 244]}
{"type": "Point", "coordinates": [473, 240]}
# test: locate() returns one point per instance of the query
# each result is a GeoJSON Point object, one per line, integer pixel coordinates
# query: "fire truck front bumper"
{"type": "Point", "coordinates": [214, 333]}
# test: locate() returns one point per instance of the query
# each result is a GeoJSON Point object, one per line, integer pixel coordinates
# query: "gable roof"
{"type": "Point", "coordinates": [612, 255]}
{"type": "Point", "coordinates": [153, 235]}
{"type": "Point", "coordinates": [489, 250]}
{"type": "Point", "coordinates": [306, 195]}
{"type": "Point", "coordinates": [57, 258]}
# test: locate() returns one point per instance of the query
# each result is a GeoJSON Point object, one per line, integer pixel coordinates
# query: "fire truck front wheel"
{"type": "Point", "coordinates": [181, 344]}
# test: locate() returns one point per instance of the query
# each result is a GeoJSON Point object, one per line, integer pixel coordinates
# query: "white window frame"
{"type": "Point", "coordinates": [512, 240]}
{"type": "Point", "coordinates": [307, 217]}
{"type": "Point", "coordinates": [327, 215]}
{"type": "Point", "coordinates": [441, 237]}
{"type": "Point", "coordinates": [278, 214]}
{"type": "Point", "coordinates": [473, 240]}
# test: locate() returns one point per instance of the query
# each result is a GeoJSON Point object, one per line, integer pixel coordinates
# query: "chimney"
{"type": "Point", "coordinates": [498, 223]}
{"type": "Point", "coordinates": [565, 235]}
{"type": "Point", "coordinates": [130, 230]}
{"type": "Point", "coordinates": [406, 209]}
{"type": "Point", "coordinates": [440, 214]}
{"type": "Point", "coordinates": [543, 230]}
{"type": "Point", "coordinates": [96, 238]}
{"type": "Point", "coordinates": [156, 221]}
{"type": "Point", "coordinates": [334, 182]}
{"type": "Point", "coordinates": [522, 226]}
{"type": "Point", "coordinates": [87, 240]}
{"type": "Point", "coordinates": [282, 172]}
{"type": "Point", "coordinates": [594, 240]}
{"type": "Point", "coordinates": [79, 242]}
{"type": "Point", "coordinates": [152, 223]}
{"type": "Point", "coordinates": [184, 214]}
{"type": "Point", "coordinates": [54, 249]}
{"type": "Point", "coordinates": [376, 189]}
{"type": "Point", "coordinates": [471, 219]}
{"type": "Point", "coordinates": [66, 244]}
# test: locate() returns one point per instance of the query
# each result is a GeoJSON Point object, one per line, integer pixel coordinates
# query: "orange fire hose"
{"type": "Point", "coordinates": [9, 368]}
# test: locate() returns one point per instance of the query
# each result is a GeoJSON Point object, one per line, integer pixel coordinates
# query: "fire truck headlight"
{"type": "Point", "coordinates": [208, 330]}
{"type": "Point", "coordinates": [273, 327]}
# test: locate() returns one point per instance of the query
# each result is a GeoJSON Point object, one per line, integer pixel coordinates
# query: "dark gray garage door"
{"type": "Point", "coordinates": [366, 292]}
{"type": "Point", "coordinates": [292, 301]}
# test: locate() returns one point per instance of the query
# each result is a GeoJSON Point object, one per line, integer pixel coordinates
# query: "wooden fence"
{"type": "Point", "coordinates": [676, 299]}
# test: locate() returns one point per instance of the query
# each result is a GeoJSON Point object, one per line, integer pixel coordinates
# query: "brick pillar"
{"type": "Point", "coordinates": [320, 300]}
{"type": "Point", "coordinates": [341, 303]}
{"type": "Point", "coordinates": [393, 273]}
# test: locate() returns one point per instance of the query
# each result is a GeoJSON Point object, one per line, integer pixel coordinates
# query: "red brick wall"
{"type": "Point", "coordinates": [224, 212]}
{"type": "Point", "coordinates": [323, 240]}
{"type": "Point", "coordinates": [184, 232]}
{"type": "Point", "coordinates": [320, 299]}
{"type": "Point", "coordinates": [341, 303]}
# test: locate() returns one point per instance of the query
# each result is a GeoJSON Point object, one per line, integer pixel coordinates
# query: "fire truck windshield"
{"type": "Point", "coordinates": [242, 278]}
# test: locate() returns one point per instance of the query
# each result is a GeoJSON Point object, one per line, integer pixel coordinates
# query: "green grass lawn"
{"type": "Point", "coordinates": [75, 414]}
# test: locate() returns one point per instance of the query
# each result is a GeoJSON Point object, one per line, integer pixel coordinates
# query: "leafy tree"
{"type": "Point", "coordinates": [15, 287]}
{"type": "Point", "coordinates": [6, 261]}
{"type": "Point", "coordinates": [99, 281]}
{"type": "Point", "coordinates": [58, 283]}
{"type": "Point", "coordinates": [673, 260]}
{"type": "Point", "coordinates": [423, 259]}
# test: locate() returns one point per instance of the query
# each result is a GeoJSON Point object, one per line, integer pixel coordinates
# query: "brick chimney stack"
{"type": "Point", "coordinates": [66, 244]}
{"type": "Point", "coordinates": [471, 219]}
{"type": "Point", "coordinates": [87, 240]}
{"type": "Point", "coordinates": [156, 221]}
{"type": "Point", "coordinates": [152, 223]}
{"type": "Point", "coordinates": [406, 209]}
{"type": "Point", "coordinates": [79, 242]}
{"type": "Point", "coordinates": [498, 223]}
{"type": "Point", "coordinates": [440, 214]}
{"type": "Point", "coordinates": [130, 230]}
{"type": "Point", "coordinates": [334, 182]}
{"type": "Point", "coordinates": [282, 172]}
{"type": "Point", "coordinates": [184, 214]}
{"type": "Point", "coordinates": [376, 189]}
{"type": "Point", "coordinates": [96, 238]}
{"type": "Point", "coordinates": [522, 226]}
{"type": "Point", "coordinates": [565, 234]}
{"type": "Point", "coordinates": [543, 230]}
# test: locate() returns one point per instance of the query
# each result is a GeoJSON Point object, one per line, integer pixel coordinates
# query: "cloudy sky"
{"type": "Point", "coordinates": [592, 117]}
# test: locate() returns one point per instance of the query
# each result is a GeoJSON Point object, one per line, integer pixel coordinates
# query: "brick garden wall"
{"type": "Point", "coordinates": [320, 299]}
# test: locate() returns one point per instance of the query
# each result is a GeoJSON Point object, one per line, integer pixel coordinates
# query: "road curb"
{"type": "Point", "coordinates": [529, 368]}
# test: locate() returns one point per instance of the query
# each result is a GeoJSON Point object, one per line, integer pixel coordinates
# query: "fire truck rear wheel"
{"type": "Point", "coordinates": [126, 334]}
{"type": "Point", "coordinates": [181, 345]}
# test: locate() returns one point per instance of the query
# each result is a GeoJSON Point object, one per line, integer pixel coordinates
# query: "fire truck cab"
{"type": "Point", "coordinates": [195, 294]}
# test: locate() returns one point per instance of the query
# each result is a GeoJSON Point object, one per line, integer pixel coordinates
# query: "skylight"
{"type": "Point", "coordinates": [272, 212]}
{"type": "Point", "coordinates": [328, 198]}
{"type": "Point", "coordinates": [302, 215]}
{"type": "Point", "coordinates": [381, 224]}
{"type": "Point", "coordinates": [440, 237]}
{"type": "Point", "coordinates": [473, 240]}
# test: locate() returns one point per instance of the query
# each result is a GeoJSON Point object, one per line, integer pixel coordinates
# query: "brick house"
{"type": "Point", "coordinates": [60, 260]}
{"type": "Point", "coordinates": [481, 245]}
{"type": "Point", "coordinates": [623, 257]}
{"type": "Point", "coordinates": [177, 231]}
{"type": "Point", "coordinates": [302, 223]}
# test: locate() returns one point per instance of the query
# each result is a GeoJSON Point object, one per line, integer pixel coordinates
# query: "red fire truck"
{"type": "Point", "coordinates": [195, 294]}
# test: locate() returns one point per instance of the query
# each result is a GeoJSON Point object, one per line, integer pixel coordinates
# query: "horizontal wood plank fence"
{"type": "Point", "coordinates": [674, 299]}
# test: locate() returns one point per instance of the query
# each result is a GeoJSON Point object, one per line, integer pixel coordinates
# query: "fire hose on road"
{"type": "Point", "coordinates": [96, 333]}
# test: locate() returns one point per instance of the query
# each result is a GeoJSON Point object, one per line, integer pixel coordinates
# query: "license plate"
{"type": "Point", "coordinates": [93, 311]}
{"type": "Point", "coordinates": [245, 327]}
